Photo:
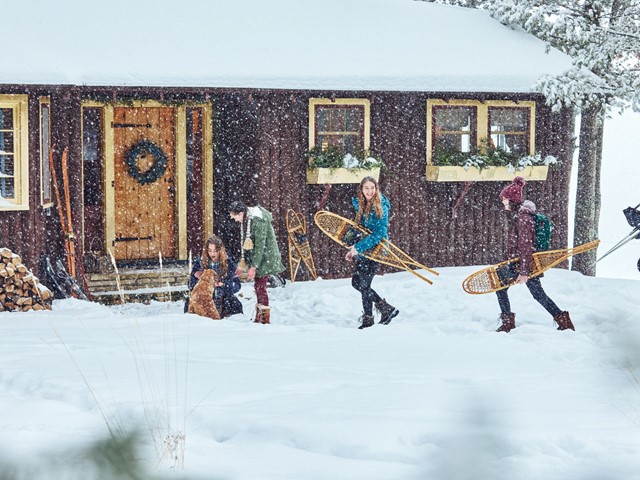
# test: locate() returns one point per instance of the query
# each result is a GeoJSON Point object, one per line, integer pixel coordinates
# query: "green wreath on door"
{"type": "Point", "coordinates": [159, 167]}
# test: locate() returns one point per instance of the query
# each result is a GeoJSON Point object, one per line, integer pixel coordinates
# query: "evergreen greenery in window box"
{"type": "Point", "coordinates": [486, 164]}
{"type": "Point", "coordinates": [332, 165]}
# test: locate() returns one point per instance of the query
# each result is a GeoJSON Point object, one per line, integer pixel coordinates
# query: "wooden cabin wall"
{"type": "Point", "coordinates": [259, 141]}
{"type": "Point", "coordinates": [261, 138]}
{"type": "Point", "coordinates": [32, 233]}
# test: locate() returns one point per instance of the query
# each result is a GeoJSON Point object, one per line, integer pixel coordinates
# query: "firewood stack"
{"type": "Point", "coordinates": [20, 290]}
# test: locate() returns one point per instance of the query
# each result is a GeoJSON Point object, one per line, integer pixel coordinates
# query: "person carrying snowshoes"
{"type": "Point", "coordinates": [372, 212]}
{"type": "Point", "coordinates": [259, 237]}
{"type": "Point", "coordinates": [520, 243]}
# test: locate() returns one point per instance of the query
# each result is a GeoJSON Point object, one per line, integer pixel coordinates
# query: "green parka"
{"type": "Point", "coordinates": [265, 256]}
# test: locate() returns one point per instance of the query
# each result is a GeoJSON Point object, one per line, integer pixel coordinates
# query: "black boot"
{"type": "Point", "coordinates": [387, 312]}
{"type": "Point", "coordinates": [367, 321]}
{"type": "Point", "coordinates": [508, 322]}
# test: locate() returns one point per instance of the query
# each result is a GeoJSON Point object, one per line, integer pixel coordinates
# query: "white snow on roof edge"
{"type": "Point", "coordinates": [371, 45]}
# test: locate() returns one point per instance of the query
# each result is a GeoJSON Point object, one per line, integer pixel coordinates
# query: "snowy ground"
{"type": "Point", "coordinates": [437, 394]}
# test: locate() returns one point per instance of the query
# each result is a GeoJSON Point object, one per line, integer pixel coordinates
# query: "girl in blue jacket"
{"type": "Point", "coordinates": [372, 212]}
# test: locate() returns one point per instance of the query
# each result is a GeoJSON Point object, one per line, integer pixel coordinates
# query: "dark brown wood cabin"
{"type": "Point", "coordinates": [250, 144]}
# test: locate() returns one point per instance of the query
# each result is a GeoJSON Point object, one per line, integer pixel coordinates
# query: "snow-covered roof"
{"type": "Point", "coordinates": [401, 45]}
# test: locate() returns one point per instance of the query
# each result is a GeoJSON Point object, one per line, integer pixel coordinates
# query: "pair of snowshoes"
{"type": "Point", "coordinates": [59, 281]}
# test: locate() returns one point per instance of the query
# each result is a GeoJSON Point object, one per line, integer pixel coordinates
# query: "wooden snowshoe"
{"type": "Point", "coordinates": [346, 232]}
{"type": "Point", "coordinates": [299, 249]}
{"type": "Point", "coordinates": [504, 274]}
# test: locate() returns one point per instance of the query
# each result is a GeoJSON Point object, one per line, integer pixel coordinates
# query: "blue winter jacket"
{"type": "Point", "coordinates": [378, 226]}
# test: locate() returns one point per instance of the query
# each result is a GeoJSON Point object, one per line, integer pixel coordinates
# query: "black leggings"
{"type": "Point", "coordinates": [535, 287]}
{"type": "Point", "coordinates": [361, 280]}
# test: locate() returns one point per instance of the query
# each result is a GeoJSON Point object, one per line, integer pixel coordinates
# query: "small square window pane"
{"type": "Point", "coordinates": [460, 143]}
{"type": "Point", "coordinates": [355, 120]}
{"type": "Point", "coordinates": [326, 141]}
{"type": "Point", "coordinates": [353, 144]}
{"type": "Point", "coordinates": [322, 119]}
{"type": "Point", "coordinates": [454, 118]}
{"type": "Point", "coordinates": [338, 121]}
{"type": "Point", "coordinates": [6, 188]}
{"type": "Point", "coordinates": [517, 144]}
{"type": "Point", "coordinates": [6, 165]}
{"type": "Point", "coordinates": [6, 119]}
{"type": "Point", "coordinates": [509, 119]}
{"type": "Point", "coordinates": [6, 142]}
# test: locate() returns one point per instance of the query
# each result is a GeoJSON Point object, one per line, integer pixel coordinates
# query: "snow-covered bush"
{"type": "Point", "coordinates": [333, 157]}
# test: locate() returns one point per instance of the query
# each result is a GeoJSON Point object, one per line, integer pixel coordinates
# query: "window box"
{"type": "Point", "coordinates": [488, 174]}
{"type": "Point", "coordinates": [464, 135]}
{"type": "Point", "coordinates": [340, 175]}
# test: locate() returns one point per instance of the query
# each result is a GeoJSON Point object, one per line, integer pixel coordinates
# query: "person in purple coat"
{"type": "Point", "coordinates": [520, 243]}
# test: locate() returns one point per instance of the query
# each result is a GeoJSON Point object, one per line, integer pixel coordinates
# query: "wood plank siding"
{"type": "Point", "coordinates": [259, 141]}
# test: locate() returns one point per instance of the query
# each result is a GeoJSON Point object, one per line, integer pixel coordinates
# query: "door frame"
{"type": "Point", "coordinates": [181, 169]}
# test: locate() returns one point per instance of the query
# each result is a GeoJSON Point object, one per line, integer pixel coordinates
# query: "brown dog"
{"type": "Point", "coordinates": [201, 298]}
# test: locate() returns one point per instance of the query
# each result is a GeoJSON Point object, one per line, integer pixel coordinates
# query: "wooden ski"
{"type": "Point", "coordinates": [66, 221]}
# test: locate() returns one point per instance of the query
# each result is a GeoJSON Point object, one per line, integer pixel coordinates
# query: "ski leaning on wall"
{"type": "Point", "coordinates": [64, 280]}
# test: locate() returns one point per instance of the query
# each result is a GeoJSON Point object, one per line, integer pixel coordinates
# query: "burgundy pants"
{"type": "Point", "coordinates": [260, 286]}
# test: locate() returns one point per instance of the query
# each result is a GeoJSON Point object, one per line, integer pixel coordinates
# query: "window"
{"type": "Point", "coordinates": [92, 156]}
{"type": "Point", "coordinates": [45, 146]}
{"type": "Point", "coordinates": [14, 171]}
{"type": "Point", "coordinates": [454, 128]}
{"type": "Point", "coordinates": [509, 129]}
{"type": "Point", "coordinates": [458, 127]}
{"type": "Point", "coordinates": [339, 123]}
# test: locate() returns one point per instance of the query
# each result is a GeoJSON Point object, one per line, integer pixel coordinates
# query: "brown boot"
{"type": "Point", "coordinates": [508, 322]}
{"type": "Point", "coordinates": [263, 314]}
{"type": "Point", "coordinates": [564, 322]}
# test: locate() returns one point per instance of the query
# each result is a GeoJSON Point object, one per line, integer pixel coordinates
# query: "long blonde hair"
{"type": "Point", "coordinates": [364, 206]}
{"type": "Point", "coordinates": [222, 254]}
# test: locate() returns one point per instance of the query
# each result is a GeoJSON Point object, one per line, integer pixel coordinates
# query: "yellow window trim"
{"type": "Point", "coordinates": [19, 104]}
{"type": "Point", "coordinates": [482, 118]}
{"type": "Point", "coordinates": [314, 102]}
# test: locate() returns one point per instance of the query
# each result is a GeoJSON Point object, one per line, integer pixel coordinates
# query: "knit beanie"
{"type": "Point", "coordinates": [513, 191]}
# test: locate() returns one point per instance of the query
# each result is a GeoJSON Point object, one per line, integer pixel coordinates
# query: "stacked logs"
{"type": "Point", "coordinates": [20, 290]}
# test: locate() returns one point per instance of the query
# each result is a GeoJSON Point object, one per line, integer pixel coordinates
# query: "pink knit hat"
{"type": "Point", "coordinates": [513, 191]}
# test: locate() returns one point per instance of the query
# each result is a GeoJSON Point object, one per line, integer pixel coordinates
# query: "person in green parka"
{"type": "Point", "coordinates": [259, 237]}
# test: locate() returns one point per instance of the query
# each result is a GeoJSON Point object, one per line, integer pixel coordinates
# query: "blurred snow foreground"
{"type": "Point", "coordinates": [436, 394]}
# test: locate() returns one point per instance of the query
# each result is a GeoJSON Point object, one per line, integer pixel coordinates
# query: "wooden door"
{"type": "Point", "coordinates": [144, 182]}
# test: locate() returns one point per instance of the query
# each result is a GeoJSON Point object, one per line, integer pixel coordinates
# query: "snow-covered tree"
{"type": "Point", "coordinates": [603, 39]}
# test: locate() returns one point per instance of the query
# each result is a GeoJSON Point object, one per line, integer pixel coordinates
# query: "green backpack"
{"type": "Point", "coordinates": [544, 228]}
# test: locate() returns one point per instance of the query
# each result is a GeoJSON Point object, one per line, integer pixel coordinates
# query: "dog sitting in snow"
{"type": "Point", "coordinates": [201, 298]}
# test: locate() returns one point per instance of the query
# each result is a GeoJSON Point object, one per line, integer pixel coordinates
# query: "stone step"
{"type": "Point", "coordinates": [139, 285]}
{"type": "Point", "coordinates": [138, 279]}
{"type": "Point", "coordinates": [141, 295]}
